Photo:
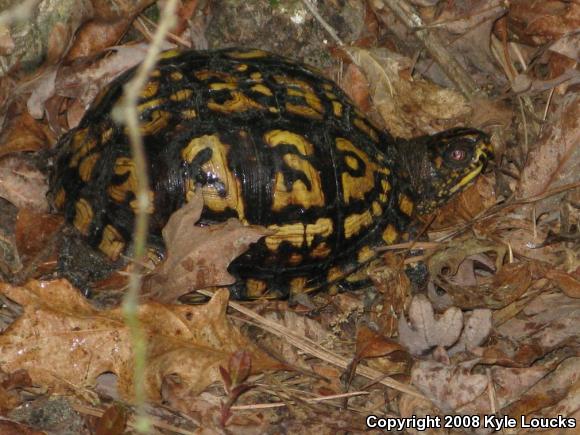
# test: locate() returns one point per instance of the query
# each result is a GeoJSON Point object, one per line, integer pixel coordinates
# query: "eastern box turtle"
{"type": "Point", "coordinates": [271, 142]}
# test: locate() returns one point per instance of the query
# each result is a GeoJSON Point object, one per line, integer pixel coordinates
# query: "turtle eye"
{"type": "Point", "coordinates": [457, 155]}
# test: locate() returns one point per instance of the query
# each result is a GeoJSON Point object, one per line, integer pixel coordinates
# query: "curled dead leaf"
{"type": "Point", "coordinates": [24, 133]}
{"type": "Point", "coordinates": [569, 284]}
{"type": "Point", "coordinates": [506, 286]}
{"type": "Point", "coordinates": [454, 270]}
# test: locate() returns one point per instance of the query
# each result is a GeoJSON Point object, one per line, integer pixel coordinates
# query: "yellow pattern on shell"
{"type": "Point", "coordinates": [356, 222]}
{"type": "Point", "coordinates": [83, 216]}
{"type": "Point", "coordinates": [214, 199]}
{"type": "Point", "coordinates": [87, 165]}
{"type": "Point", "coordinates": [112, 243]}
{"type": "Point", "coordinates": [238, 102]}
{"type": "Point", "coordinates": [390, 234]}
{"type": "Point", "coordinates": [299, 194]}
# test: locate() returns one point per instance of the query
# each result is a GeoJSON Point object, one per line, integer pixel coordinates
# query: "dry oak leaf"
{"type": "Point", "coordinates": [449, 386]}
{"type": "Point", "coordinates": [81, 81]}
{"type": "Point", "coordinates": [407, 105]}
{"type": "Point", "coordinates": [198, 257]}
{"type": "Point", "coordinates": [523, 391]}
{"type": "Point", "coordinates": [423, 332]}
{"type": "Point", "coordinates": [64, 342]}
{"type": "Point", "coordinates": [453, 268]}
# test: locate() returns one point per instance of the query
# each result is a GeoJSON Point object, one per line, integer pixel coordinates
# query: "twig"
{"type": "Point", "coordinates": [310, 400]}
{"type": "Point", "coordinates": [313, 348]}
{"type": "Point", "coordinates": [323, 22]}
{"type": "Point", "coordinates": [127, 113]}
{"type": "Point", "coordinates": [498, 207]}
{"type": "Point", "coordinates": [436, 47]}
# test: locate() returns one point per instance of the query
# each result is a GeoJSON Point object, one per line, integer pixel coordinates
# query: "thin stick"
{"type": "Point", "coordinates": [313, 348]}
{"type": "Point", "coordinates": [128, 113]}
{"type": "Point", "coordinates": [323, 22]}
{"type": "Point", "coordinates": [436, 47]}
{"type": "Point", "coordinates": [311, 400]}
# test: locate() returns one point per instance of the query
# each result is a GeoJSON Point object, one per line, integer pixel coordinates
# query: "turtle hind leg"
{"type": "Point", "coordinates": [80, 264]}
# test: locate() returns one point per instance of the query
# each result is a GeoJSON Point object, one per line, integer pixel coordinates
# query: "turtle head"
{"type": "Point", "coordinates": [440, 165]}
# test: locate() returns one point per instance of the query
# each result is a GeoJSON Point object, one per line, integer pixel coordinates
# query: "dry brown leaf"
{"type": "Point", "coordinates": [356, 86]}
{"type": "Point", "coordinates": [556, 157]}
{"type": "Point", "coordinates": [449, 386]}
{"type": "Point", "coordinates": [407, 106]}
{"type": "Point", "coordinates": [108, 10]}
{"type": "Point", "coordinates": [569, 46]}
{"type": "Point", "coordinates": [8, 427]}
{"type": "Point", "coordinates": [83, 81]}
{"type": "Point", "coordinates": [475, 331]}
{"type": "Point", "coordinates": [512, 383]}
{"type": "Point", "coordinates": [540, 22]}
{"type": "Point", "coordinates": [549, 321]}
{"type": "Point", "coordinates": [549, 390]}
{"type": "Point", "coordinates": [6, 42]}
{"type": "Point", "coordinates": [393, 283]}
{"type": "Point", "coordinates": [423, 332]}
{"type": "Point", "coordinates": [79, 342]}
{"type": "Point", "coordinates": [40, 89]}
{"type": "Point", "coordinates": [570, 404]}
{"type": "Point", "coordinates": [543, 390]}
{"type": "Point", "coordinates": [22, 184]}
{"type": "Point", "coordinates": [113, 421]}
{"type": "Point", "coordinates": [565, 281]}
{"type": "Point", "coordinates": [370, 344]}
{"type": "Point", "coordinates": [447, 260]}
{"type": "Point", "coordinates": [518, 231]}
{"type": "Point", "coordinates": [506, 286]}
{"type": "Point", "coordinates": [469, 24]}
{"type": "Point", "coordinates": [201, 259]}
{"type": "Point", "coordinates": [33, 232]}
{"type": "Point", "coordinates": [96, 36]}
{"type": "Point", "coordinates": [9, 385]}
{"type": "Point", "coordinates": [454, 270]}
{"type": "Point", "coordinates": [24, 133]}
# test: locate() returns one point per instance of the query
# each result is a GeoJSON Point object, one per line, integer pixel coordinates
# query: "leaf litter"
{"type": "Point", "coordinates": [190, 342]}
{"type": "Point", "coordinates": [498, 332]}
